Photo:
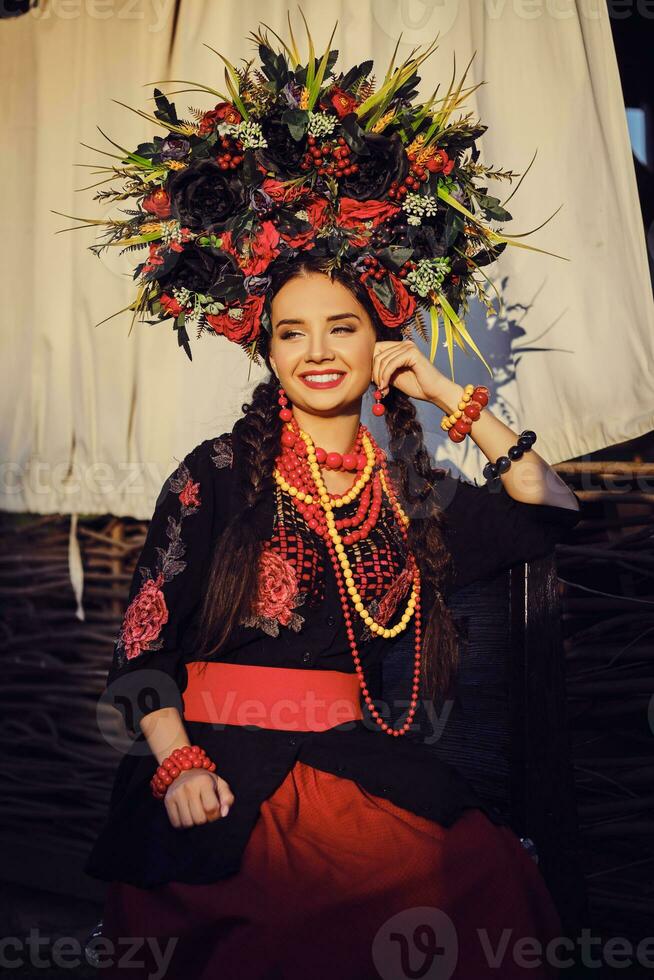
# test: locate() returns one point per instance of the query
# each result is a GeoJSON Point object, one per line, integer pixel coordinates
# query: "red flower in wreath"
{"type": "Point", "coordinates": [316, 209]}
{"type": "Point", "coordinates": [279, 190]}
{"type": "Point", "coordinates": [153, 260]}
{"type": "Point", "coordinates": [244, 328]}
{"type": "Point", "coordinates": [341, 102]}
{"type": "Point", "coordinates": [144, 618]}
{"type": "Point", "coordinates": [170, 304]}
{"type": "Point", "coordinates": [277, 587]}
{"type": "Point", "coordinates": [356, 215]}
{"type": "Point", "coordinates": [352, 213]}
{"type": "Point", "coordinates": [223, 112]}
{"type": "Point", "coordinates": [262, 247]}
{"type": "Point", "coordinates": [157, 203]}
{"type": "Point", "coordinates": [440, 163]}
{"type": "Point", "coordinates": [405, 302]}
{"type": "Point", "coordinates": [189, 496]}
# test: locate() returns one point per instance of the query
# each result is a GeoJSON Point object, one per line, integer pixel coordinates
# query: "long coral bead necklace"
{"type": "Point", "coordinates": [308, 492]}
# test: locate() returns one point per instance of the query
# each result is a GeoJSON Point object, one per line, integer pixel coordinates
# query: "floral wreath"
{"type": "Point", "coordinates": [297, 158]}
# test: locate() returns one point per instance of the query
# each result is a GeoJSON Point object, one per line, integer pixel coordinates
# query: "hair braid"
{"type": "Point", "coordinates": [233, 577]}
{"type": "Point", "coordinates": [415, 477]}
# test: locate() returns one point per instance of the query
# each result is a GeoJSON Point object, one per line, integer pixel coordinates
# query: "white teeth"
{"type": "Point", "coordinates": [321, 377]}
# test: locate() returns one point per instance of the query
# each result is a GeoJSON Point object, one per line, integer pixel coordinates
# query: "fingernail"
{"type": "Point", "coordinates": [224, 809]}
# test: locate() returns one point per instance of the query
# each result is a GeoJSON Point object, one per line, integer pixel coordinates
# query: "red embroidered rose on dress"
{"type": "Point", "coordinates": [144, 618]}
{"type": "Point", "coordinates": [148, 612]}
{"type": "Point", "coordinates": [277, 595]}
{"type": "Point", "coordinates": [189, 495]}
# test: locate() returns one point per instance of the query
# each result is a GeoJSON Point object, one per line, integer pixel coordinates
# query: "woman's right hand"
{"type": "Point", "coordinates": [197, 796]}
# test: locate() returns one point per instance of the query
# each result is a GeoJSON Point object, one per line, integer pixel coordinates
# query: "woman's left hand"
{"type": "Point", "coordinates": [401, 363]}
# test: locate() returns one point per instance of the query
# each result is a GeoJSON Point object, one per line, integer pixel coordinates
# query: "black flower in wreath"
{"type": "Point", "coordinates": [283, 153]}
{"type": "Point", "coordinates": [200, 271]}
{"type": "Point", "coordinates": [204, 197]}
{"type": "Point", "coordinates": [426, 241]}
{"type": "Point", "coordinates": [385, 162]}
{"type": "Point", "coordinates": [174, 148]}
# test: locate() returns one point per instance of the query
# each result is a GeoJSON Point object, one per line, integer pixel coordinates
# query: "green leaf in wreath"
{"type": "Point", "coordinates": [275, 66]}
{"type": "Point", "coordinates": [182, 336]}
{"type": "Point", "coordinates": [395, 255]}
{"type": "Point", "coordinates": [165, 110]}
{"type": "Point", "coordinates": [147, 150]}
{"type": "Point", "coordinates": [354, 135]}
{"type": "Point", "coordinates": [454, 224]}
{"type": "Point", "coordinates": [250, 172]}
{"type": "Point", "coordinates": [492, 208]}
{"type": "Point", "coordinates": [384, 292]}
{"type": "Point", "coordinates": [265, 321]}
{"type": "Point", "coordinates": [355, 75]}
{"type": "Point", "coordinates": [297, 121]}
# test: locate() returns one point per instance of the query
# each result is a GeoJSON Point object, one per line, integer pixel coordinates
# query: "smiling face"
{"type": "Point", "coordinates": [322, 344]}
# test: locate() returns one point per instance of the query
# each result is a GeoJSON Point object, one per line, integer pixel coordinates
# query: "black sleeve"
{"type": "Point", "coordinates": [487, 531]}
{"type": "Point", "coordinates": [147, 665]}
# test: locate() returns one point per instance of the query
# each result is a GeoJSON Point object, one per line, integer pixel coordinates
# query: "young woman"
{"type": "Point", "coordinates": [321, 837]}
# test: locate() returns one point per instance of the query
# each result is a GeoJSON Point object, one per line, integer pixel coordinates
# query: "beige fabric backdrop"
{"type": "Point", "coordinates": [93, 419]}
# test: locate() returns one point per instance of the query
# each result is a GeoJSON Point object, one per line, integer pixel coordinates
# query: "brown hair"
{"type": "Point", "coordinates": [233, 577]}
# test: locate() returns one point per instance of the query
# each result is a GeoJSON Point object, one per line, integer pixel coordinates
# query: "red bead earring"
{"type": "Point", "coordinates": [378, 408]}
{"type": "Point", "coordinates": [285, 413]}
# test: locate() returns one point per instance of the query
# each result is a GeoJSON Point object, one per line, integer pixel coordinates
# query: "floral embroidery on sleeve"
{"type": "Point", "coordinates": [224, 453]}
{"type": "Point", "coordinates": [278, 595]}
{"type": "Point", "coordinates": [147, 613]}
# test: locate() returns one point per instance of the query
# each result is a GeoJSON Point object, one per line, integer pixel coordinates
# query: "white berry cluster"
{"type": "Point", "coordinates": [428, 275]}
{"type": "Point", "coordinates": [419, 206]}
{"type": "Point", "coordinates": [200, 303]}
{"type": "Point", "coordinates": [171, 232]}
{"type": "Point", "coordinates": [320, 124]}
{"type": "Point", "coordinates": [182, 295]}
{"type": "Point", "coordinates": [249, 133]}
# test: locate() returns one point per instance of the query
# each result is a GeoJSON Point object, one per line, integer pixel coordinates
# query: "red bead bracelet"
{"type": "Point", "coordinates": [180, 760]}
{"type": "Point", "coordinates": [473, 400]}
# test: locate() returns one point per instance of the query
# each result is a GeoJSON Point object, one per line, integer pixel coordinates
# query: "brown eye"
{"type": "Point", "coordinates": [341, 326]}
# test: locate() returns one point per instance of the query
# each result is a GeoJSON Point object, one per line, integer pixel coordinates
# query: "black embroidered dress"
{"type": "Point", "coordinates": [299, 624]}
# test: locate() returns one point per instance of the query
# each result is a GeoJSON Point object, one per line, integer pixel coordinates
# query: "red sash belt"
{"type": "Point", "coordinates": [286, 698]}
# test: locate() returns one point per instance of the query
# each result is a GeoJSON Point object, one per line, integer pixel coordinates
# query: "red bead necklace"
{"type": "Point", "coordinates": [292, 463]}
{"type": "Point", "coordinates": [352, 460]}
{"type": "Point", "coordinates": [295, 468]}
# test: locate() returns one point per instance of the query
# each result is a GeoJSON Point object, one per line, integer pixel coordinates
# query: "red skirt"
{"type": "Point", "coordinates": [339, 884]}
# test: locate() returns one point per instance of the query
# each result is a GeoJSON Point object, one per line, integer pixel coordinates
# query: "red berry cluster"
{"type": "Point", "coordinates": [417, 175]}
{"type": "Point", "coordinates": [375, 268]}
{"type": "Point", "coordinates": [329, 158]}
{"type": "Point", "coordinates": [378, 271]}
{"type": "Point", "coordinates": [231, 155]}
{"type": "Point", "coordinates": [406, 268]}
